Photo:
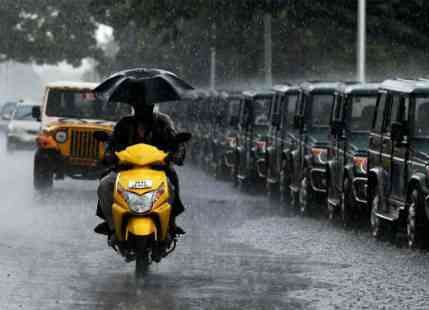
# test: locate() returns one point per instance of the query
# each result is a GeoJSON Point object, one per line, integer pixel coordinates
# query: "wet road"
{"type": "Point", "coordinates": [239, 253]}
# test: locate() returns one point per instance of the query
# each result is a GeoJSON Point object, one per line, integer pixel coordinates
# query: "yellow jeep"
{"type": "Point", "coordinates": [69, 115]}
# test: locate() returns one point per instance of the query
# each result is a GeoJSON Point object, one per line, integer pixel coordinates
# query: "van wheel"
{"type": "Point", "coordinates": [414, 220]}
{"type": "Point", "coordinates": [142, 257]}
{"type": "Point", "coordinates": [347, 203]}
{"type": "Point", "coordinates": [43, 177]}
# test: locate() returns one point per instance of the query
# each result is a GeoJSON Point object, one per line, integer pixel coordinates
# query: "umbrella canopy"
{"type": "Point", "coordinates": [144, 86]}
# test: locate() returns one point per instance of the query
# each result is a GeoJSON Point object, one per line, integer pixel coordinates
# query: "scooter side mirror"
{"type": "Point", "coordinates": [101, 136]}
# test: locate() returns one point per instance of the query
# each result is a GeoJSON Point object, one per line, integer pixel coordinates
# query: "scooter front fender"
{"type": "Point", "coordinates": [141, 227]}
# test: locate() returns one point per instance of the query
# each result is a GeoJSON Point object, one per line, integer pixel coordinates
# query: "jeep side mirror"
{"type": "Point", "coordinates": [298, 122]}
{"type": "Point", "coordinates": [276, 120]}
{"type": "Point", "coordinates": [36, 113]}
{"type": "Point", "coordinates": [397, 132]}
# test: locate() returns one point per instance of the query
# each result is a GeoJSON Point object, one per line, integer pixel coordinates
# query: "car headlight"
{"type": "Point", "coordinates": [141, 203]}
{"type": "Point", "coordinates": [61, 136]}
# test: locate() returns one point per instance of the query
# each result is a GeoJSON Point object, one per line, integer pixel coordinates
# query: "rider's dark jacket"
{"type": "Point", "coordinates": [160, 132]}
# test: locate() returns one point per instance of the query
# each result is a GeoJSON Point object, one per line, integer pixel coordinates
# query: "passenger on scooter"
{"type": "Point", "coordinates": [149, 127]}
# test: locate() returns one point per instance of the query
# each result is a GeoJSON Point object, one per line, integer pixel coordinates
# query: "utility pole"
{"type": "Point", "coordinates": [268, 49]}
{"type": "Point", "coordinates": [361, 61]}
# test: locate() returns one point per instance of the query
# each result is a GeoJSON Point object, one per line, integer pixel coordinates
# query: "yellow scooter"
{"type": "Point", "coordinates": [142, 204]}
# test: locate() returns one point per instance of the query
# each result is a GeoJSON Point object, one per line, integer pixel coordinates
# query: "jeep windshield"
{"type": "Point", "coordinates": [362, 110]}
{"type": "Point", "coordinates": [83, 105]}
{"type": "Point", "coordinates": [322, 110]}
{"type": "Point", "coordinates": [421, 117]}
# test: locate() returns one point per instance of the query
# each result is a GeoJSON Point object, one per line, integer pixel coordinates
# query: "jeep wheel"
{"type": "Point", "coordinates": [346, 204]}
{"type": "Point", "coordinates": [43, 177]}
{"type": "Point", "coordinates": [330, 209]}
{"type": "Point", "coordinates": [304, 196]}
{"type": "Point", "coordinates": [378, 229]}
{"type": "Point", "coordinates": [414, 220]}
{"type": "Point", "coordinates": [241, 185]}
{"type": "Point", "coordinates": [283, 184]}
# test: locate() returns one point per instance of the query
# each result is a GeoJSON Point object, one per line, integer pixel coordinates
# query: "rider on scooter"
{"type": "Point", "coordinates": [149, 127]}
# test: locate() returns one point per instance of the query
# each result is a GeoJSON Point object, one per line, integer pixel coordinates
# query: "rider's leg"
{"type": "Point", "coordinates": [105, 195]}
{"type": "Point", "coordinates": [177, 206]}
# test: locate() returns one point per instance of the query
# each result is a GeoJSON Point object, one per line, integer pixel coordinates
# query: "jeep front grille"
{"type": "Point", "coordinates": [83, 145]}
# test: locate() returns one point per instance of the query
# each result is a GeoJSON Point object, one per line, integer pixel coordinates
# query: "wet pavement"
{"type": "Point", "coordinates": [240, 252]}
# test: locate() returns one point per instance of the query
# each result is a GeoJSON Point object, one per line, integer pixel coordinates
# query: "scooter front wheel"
{"type": "Point", "coordinates": [142, 257]}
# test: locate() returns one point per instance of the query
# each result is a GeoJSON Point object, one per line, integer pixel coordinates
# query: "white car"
{"type": "Point", "coordinates": [6, 113]}
{"type": "Point", "coordinates": [23, 129]}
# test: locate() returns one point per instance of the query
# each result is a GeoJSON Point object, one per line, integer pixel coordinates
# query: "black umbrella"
{"type": "Point", "coordinates": [152, 85]}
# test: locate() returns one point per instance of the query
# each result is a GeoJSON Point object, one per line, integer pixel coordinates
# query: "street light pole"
{"type": "Point", "coordinates": [361, 40]}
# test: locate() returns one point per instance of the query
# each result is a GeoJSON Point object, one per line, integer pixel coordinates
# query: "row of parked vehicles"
{"type": "Point", "coordinates": [357, 152]}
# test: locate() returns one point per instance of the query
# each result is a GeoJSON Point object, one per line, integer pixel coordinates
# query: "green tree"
{"type": "Point", "coordinates": [47, 31]}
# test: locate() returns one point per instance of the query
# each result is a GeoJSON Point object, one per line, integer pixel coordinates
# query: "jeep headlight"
{"type": "Point", "coordinates": [141, 203]}
{"type": "Point", "coordinates": [61, 136]}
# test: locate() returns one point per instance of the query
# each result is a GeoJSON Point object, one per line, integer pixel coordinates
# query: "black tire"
{"type": "Point", "coordinates": [347, 204]}
{"type": "Point", "coordinates": [242, 185]}
{"type": "Point", "coordinates": [330, 210]}
{"type": "Point", "coordinates": [43, 177]}
{"type": "Point", "coordinates": [142, 257]}
{"type": "Point", "coordinates": [305, 196]}
{"type": "Point", "coordinates": [271, 194]}
{"type": "Point", "coordinates": [415, 220]}
{"type": "Point", "coordinates": [378, 225]}
{"type": "Point", "coordinates": [283, 187]}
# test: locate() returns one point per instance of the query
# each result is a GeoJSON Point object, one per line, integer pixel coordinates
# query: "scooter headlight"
{"type": "Point", "coordinates": [139, 204]}
{"type": "Point", "coordinates": [142, 203]}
